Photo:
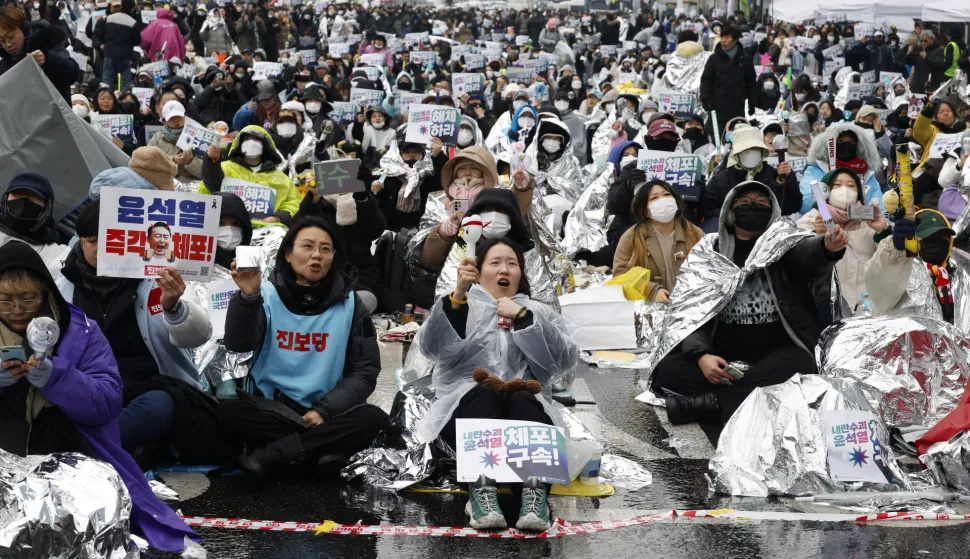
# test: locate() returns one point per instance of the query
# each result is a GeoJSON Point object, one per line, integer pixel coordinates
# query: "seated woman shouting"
{"type": "Point", "coordinates": [316, 358]}
{"type": "Point", "coordinates": [490, 322]}
{"type": "Point", "coordinates": [70, 401]}
{"type": "Point", "coordinates": [661, 239]}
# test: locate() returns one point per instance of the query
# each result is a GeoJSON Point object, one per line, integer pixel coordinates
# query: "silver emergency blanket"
{"type": "Point", "coordinates": [707, 281]}
{"type": "Point", "coordinates": [62, 506]}
{"type": "Point", "coordinates": [393, 165]}
{"type": "Point", "coordinates": [911, 369]}
{"type": "Point", "coordinates": [948, 462]}
{"type": "Point", "coordinates": [604, 135]}
{"type": "Point", "coordinates": [774, 443]}
{"type": "Point", "coordinates": [921, 300]}
{"type": "Point", "coordinates": [564, 176]}
{"type": "Point", "coordinates": [52, 139]}
{"type": "Point", "coordinates": [302, 154]}
{"type": "Point", "coordinates": [585, 227]}
{"type": "Point", "coordinates": [215, 363]}
{"type": "Point", "coordinates": [683, 73]}
{"type": "Point", "coordinates": [624, 473]}
{"type": "Point", "coordinates": [164, 493]}
{"type": "Point", "coordinates": [648, 322]}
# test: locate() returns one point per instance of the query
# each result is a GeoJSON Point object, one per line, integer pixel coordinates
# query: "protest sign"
{"type": "Point", "coordinates": [366, 97]}
{"type": "Point", "coordinates": [847, 44]}
{"type": "Point", "coordinates": [475, 61]}
{"type": "Point", "coordinates": [760, 36]}
{"type": "Point", "coordinates": [151, 130]}
{"type": "Point", "coordinates": [424, 57]}
{"type": "Point", "coordinates": [405, 98]}
{"type": "Point", "coordinates": [220, 292]}
{"type": "Point", "coordinates": [832, 66]}
{"type": "Point", "coordinates": [681, 105]}
{"type": "Point", "coordinates": [142, 232]}
{"type": "Point", "coordinates": [805, 45]}
{"type": "Point", "coordinates": [148, 16]}
{"type": "Point", "coordinates": [854, 450]}
{"type": "Point", "coordinates": [493, 50]}
{"type": "Point", "coordinates": [338, 176]}
{"type": "Point", "coordinates": [373, 73]}
{"type": "Point", "coordinates": [188, 71]}
{"type": "Point", "coordinates": [608, 51]}
{"type": "Point", "coordinates": [857, 91]}
{"type": "Point", "coordinates": [883, 114]}
{"type": "Point", "coordinates": [260, 200]}
{"type": "Point", "coordinates": [196, 138]}
{"type": "Point", "coordinates": [864, 30]}
{"type": "Point", "coordinates": [520, 75]}
{"type": "Point", "coordinates": [338, 49]}
{"type": "Point", "coordinates": [534, 64]}
{"type": "Point", "coordinates": [457, 51]}
{"type": "Point", "coordinates": [889, 78]}
{"type": "Point", "coordinates": [549, 59]}
{"type": "Point", "coordinates": [157, 70]}
{"type": "Point", "coordinates": [498, 37]}
{"type": "Point", "coordinates": [521, 40]}
{"type": "Point", "coordinates": [372, 59]}
{"type": "Point", "coordinates": [681, 171]}
{"type": "Point", "coordinates": [307, 42]}
{"type": "Point", "coordinates": [144, 95]}
{"type": "Point", "coordinates": [266, 70]}
{"type": "Point", "coordinates": [308, 57]}
{"type": "Point", "coordinates": [432, 121]}
{"type": "Point", "coordinates": [798, 166]}
{"type": "Point", "coordinates": [916, 103]}
{"type": "Point", "coordinates": [868, 77]}
{"type": "Point", "coordinates": [538, 93]}
{"type": "Point", "coordinates": [115, 126]}
{"type": "Point", "coordinates": [747, 41]}
{"type": "Point", "coordinates": [355, 38]}
{"type": "Point", "coordinates": [467, 83]}
{"type": "Point", "coordinates": [416, 39]}
{"type": "Point", "coordinates": [945, 143]}
{"type": "Point", "coordinates": [510, 451]}
{"type": "Point", "coordinates": [344, 112]}
{"type": "Point", "coordinates": [833, 52]}
{"type": "Point", "coordinates": [627, 46]}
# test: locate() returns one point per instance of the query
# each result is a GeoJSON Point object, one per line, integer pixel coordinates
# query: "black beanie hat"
{"type": "Point", "coordinates": [87, 221]}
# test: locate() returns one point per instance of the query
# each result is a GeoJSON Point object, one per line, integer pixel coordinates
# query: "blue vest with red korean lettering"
{"type": "Point", "coordinates": [302, 356]}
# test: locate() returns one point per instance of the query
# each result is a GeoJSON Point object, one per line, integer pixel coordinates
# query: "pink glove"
{"type": "Point", "coordinates": [448, 228]}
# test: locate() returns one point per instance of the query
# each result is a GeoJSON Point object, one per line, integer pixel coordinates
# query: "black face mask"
{"type": "Point", "coordinates": [22, 214]}
{"type": "Point", "coordinates": [693, 134]}
{"type": "Point", "coordinates": [661, 144]}
{"type": "Point", "coordinates": [934, 251]}
{"type": "Point", "coordinates": [752, 218]}
{"type": "Point", "coordinates": [865, 126]}
{"type": "Point", "coordinates": [846, 151]}
{"type": "Point", "coordinates": [404, 86]}
{"type": "Point", "coordinates": [129, 107]}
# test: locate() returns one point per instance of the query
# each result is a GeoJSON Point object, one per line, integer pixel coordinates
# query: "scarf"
{"type": "Point", "coordinates": [409, 196]}
{"type": "Point", "coordinates": [941, 280]}
{"type": "Point", "coordinates": [731, 52]}
{"type": "Point", "coordinates": [858, 165]}
{"type": "Point", "coordinates": [102, 286]}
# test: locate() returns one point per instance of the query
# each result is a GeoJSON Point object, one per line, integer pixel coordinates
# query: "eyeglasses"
{"type": "Point", "coordinates": [27, 305]}
{"type": "Point", "coordinates": [325, 251]}
{"type": "Point", "coordinates": [745, 202]}
{"type": "Point", "coordinates": [9, 40]}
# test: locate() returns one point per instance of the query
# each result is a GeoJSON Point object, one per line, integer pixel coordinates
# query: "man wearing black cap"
{"type": "Point", "coordinates": [219, 100]}
{"type": "Point", "coordinates": [920, 247]}
{"type": "Point", "coordinates": [26, 214]}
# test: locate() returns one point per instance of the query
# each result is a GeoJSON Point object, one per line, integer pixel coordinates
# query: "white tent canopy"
{"type": "Point", "coordinates": [947, 10]}
{"type": "Point", "coordinates": [900, 13]}
{"type": "Point", "coordinates": [794, 10]}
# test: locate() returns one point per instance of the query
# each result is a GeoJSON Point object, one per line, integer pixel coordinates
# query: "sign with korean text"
{"type": "Point", "coordinates": [373, 73]}
{"type": "Point", "coordinates": [366, 97]}
{"type": "Point", "coordinates": [372, 59]}
{"type": "Point", "coordinates": [416, 39]}
{"type": "Point", "coordinates": [805, 44]}
{"type": "Point", "coordinates": [493, 50]}
{"type": "Point", "coordinates": [798, 166]}
{"type": "Point", "coordinates": [831, 66]}
{"type": "Point", "coordinates": [115, 126]}
{"type": "Point", "coordinates": [681, 171]}
{"type": "Point", "coordinates": [681, 105]}
{"type": "Point", "coordinates": [338, 49]}
{"type": "Point", "coordinates": [855, 452]}
{"type": "Point", "coordinates": [424, 57]}
{"type": "Point", "coordinates": [864, 30]}
{"type": "Point", "coordinates": [260, 200]}
{"type": "Point", "coordinates": [158, 70]}
{"type": "Point", "coordinates": [457, 51]}
{"type": "Point", "coordinates": [520, 75]}
{"type": "Point", "coordinates": [521, 40]}
{"type": "Point", "coordinates": [344, 112]}
{"type": "Point", "coordinates": [338, 176]}
{"type": "Point", "coordinates": [608, 51]}
{"type": "Point", "coordinates": [148, 16]}
{"type": "Point", "coordinates": [945, 143]}
{"type": "Point", "coordinates": [833, 52]}
{"type": "Point", "coordinates": [307, 42]}
{"type": "Point", "coordinates": [197, 138]}
{"type": "Point", "coordinates": [889, 78]}
{"type": "Point", "coordinates": [308, 57]}
{"type": "Point", "coordinates": [432, 121]}
{"type": "Point", "coordinates": [868, 77]}
{"type": "Point", "coordinates": [510, 451]}
{"type": "Point", "coordinates": [405, 98]}
{"type": "Point", "coordinates": [470, 83]}
{"type": "Point", "coordinates": [144, 95]}
{"type": "Point", "coordinates": [857, 91]}
{"type": "Point", "coordinates": [151, 130]}
{"type": "Point", "coordinates": [142, 232]}
{"type": "Point", "coordinates": [627, 46]}
{"type": "Point", "coordinates": [266, 70]}
{"type": "Point", "coordinates": [220, 292]}
{"type": "Point", "coordinates": [475, 61]}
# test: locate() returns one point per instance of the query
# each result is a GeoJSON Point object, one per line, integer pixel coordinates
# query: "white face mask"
{"type": "Point", "coordinates": [577, 84]}
{"type": "Point", "coordinates": [490, 74]}
{"type": "Point", "coordinates": [551, 146]}
{"type": "Point", "coordinates": [562, 105]}
{"type": "Point", "coordinates": [769, 86]}
{"type": "Point", "coordinates": [608, 107]}
{"type": "Point", "coordinates": [240, 75]}
{"type": "Point", "coordinates": [229, 237]}
{"type": "Point", "coordinates": [627, 159]}
{"type": "Point", "coordinates": [750, 158]}
{"type": "Point", "coordinates": [286, 129]}
{"type": "Point", "coordinates": [378, 125]}
{"type": "Point", "coordinates": [842, 197]}
{"type": "Point", "coordinates": [80, 110]}
{"type": "Point", "coordinates": [526, 123]}
{"type": "Point", "coordinates": [831, 38]}
{"type": "Point", "coordinates": [799, 97]}
{"type": "Point", "coordinates": [518, 104]}
{"type": "Point", "coordinates": [495, 225]}
{"type": "Point", "coordinates": [313, 107]}
{"type": "Point", "coordinates": [663, 210]}
{"type": "Point", "coordinates": [465, 137]}
{"type": "Point", "coordinates": [252, 148]}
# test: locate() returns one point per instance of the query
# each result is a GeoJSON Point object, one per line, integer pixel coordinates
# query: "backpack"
{"type": "Point", "coordinates": [399, 287]}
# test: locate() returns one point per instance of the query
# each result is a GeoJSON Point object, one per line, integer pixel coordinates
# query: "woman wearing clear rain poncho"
{"type": "Point", "coordinates": [489, 321]}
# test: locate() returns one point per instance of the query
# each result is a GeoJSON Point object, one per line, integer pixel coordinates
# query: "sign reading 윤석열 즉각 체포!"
{"type": "Point", "coordinates": [142, 232]}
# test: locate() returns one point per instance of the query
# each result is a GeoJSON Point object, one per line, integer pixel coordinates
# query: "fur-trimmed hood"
{"type": "Point", "coordinates": [867, 150]}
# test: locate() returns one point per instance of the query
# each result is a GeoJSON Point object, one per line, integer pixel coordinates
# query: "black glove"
{"type": "Point", "coordinates": [904, 229]}
{"type": "Point", "coordinates": [929, 109]}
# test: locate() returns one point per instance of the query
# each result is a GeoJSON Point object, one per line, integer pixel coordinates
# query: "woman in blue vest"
{"type": "Point", "coordinates": [316, 358]}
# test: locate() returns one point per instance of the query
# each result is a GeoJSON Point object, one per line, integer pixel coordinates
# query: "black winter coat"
{"type": "Point", "coordinates": [793, 280]}
{"type": "Point", "coordinates": [929, 68]}
{"type": "Point", "coordinates": [58, 66]}
{"type": "Point", "coordinates": [788, 194]}
{"type": "Point", "coordinates": [387, 197]}
{"type": "Point", "coordinates": [215, 105]}
{"type": "Point", "coordinates": [726, 83]}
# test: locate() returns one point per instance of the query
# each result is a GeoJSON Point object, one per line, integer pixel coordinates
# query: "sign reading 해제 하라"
{"type": "Point", "coordinates": [432, 121]}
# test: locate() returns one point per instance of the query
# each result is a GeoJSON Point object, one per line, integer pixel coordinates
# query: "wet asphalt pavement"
{"type": "Point", "coordinates": [676, 457]}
